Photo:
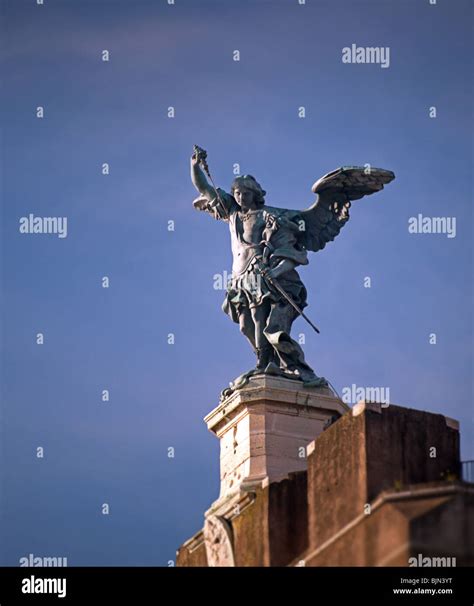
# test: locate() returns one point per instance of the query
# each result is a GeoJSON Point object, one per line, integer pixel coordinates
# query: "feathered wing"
{"type": "Point", "coordinates": [323, 221]}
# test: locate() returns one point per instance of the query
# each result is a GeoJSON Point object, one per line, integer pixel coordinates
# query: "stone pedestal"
{"type": "Point", "coordinates": [264, 429]}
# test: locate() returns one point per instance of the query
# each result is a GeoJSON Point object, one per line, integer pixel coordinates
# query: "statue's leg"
{"type": "Point", "coordinates": [290, 354]}
{"type": "Point", "coordinates": [264, 349]}
{"type": "Point", "coordinates": [247, 326]}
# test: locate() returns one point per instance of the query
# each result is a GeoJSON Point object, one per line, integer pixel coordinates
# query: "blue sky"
{"type": "Point", "coordinates": [161, 282]}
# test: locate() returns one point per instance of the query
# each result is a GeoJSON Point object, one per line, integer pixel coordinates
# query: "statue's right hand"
{"type": "Point", "coordinates": [199, 155]}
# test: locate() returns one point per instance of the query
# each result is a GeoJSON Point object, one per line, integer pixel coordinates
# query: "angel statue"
{"type": "Point", "coordinates": [265, 293]}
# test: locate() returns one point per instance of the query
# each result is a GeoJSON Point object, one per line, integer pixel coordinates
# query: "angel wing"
{"type": "Point", "coordinates": [327, 216]}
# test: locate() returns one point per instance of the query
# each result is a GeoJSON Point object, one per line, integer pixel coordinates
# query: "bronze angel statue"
{"type": "Point", "coordinates": [265, 294]}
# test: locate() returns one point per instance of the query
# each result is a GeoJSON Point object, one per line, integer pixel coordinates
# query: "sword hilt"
{"type": "Point", "coordinates": [201, 156]}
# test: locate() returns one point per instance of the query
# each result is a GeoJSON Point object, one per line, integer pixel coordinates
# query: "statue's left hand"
{"type": "Point", "coordinates": [273, 273]}
{"type": "Point", "coordinates": [283, 266]}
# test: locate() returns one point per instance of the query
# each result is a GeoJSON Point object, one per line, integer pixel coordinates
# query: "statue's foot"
{"type": "Point", "coordinates": [264, 356]}
{"type": "Point", "coordinates": [273, 369]}
{"type": "Point", "coordinates": [308, 377]}
{"type": "Point", "coordinates": [242, 380]}
{"type": "Point", "coordinates": [270, 369]}
{"type": "Point", "coordinates": [316, 382]}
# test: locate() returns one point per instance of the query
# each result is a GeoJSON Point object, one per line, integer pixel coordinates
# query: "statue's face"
{"type": "Point", "coordinates": [244, 197]}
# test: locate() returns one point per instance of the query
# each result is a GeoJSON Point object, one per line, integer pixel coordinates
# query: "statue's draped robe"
{"type": "Point", "coordinates": [248, 289]}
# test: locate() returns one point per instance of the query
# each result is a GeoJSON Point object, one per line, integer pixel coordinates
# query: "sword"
{"type": "Point", "coordinates": [286, 296]}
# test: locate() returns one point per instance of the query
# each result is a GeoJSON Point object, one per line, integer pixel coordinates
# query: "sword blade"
{"type": "Point", "coordinates": [286, 296]}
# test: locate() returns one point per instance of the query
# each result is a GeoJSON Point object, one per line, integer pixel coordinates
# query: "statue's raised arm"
{"type": "Point", "coordinates": [213, 200]}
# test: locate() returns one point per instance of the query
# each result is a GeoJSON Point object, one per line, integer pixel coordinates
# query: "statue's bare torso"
{"type": "Point", "coordinates": [246, 231]}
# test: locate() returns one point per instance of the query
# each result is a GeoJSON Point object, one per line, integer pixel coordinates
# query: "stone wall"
{"type": "Point", "coordinates": [375, 493]}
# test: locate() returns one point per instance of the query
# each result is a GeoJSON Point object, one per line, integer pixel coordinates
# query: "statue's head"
{"type": "Point", "coordinates": [248, 192]}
